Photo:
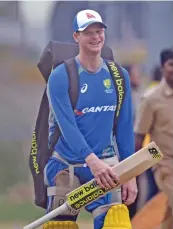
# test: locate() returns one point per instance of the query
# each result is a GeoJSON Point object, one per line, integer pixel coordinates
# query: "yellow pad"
{"type": "Point", "coordinates": [60, 225]}
{"type": "Point", "coordinates": [117, 218]}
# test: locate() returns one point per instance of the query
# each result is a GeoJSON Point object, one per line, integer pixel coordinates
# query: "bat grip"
{"type": "Point", "coordinates": [47, 217]}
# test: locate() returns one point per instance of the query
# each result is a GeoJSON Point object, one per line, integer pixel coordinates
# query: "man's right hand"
{"type": "Point", "coordinates": [103, 173]}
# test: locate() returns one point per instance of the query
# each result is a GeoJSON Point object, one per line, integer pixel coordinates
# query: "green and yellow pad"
{"type": "Point", "coordinates": [60, 225]}
{"type": "Point", "coordinates": [117, 218]}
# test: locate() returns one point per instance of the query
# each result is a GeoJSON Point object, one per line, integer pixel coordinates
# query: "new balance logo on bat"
{"type": "Point", "coordinates": [154, 153]}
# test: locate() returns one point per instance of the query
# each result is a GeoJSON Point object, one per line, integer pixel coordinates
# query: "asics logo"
{"type": "Point", "coordinates": [84, 88]}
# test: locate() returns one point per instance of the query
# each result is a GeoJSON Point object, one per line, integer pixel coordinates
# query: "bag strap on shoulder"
{"type": "Point", "coordinates": [119, 82]}
{"type": "Point", "coordinates": [72, 72]}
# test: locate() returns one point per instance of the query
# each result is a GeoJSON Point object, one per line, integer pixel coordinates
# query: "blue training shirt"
{"type": "Point", "coordinates": [89, 127]}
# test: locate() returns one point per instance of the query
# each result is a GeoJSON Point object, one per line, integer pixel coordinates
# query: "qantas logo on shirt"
{"type": "Point", "coordinates": [95, 109]}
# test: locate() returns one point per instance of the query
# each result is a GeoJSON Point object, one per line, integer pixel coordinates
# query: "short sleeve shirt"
{"type": "Point", "coordinates": [155, 116]}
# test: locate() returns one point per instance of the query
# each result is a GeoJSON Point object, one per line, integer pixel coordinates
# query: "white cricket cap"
{"type": "Point", "coordinates": [85, 18]}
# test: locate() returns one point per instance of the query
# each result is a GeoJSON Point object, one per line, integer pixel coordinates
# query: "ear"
{"type": "Point", "coordinates": [76, 37]}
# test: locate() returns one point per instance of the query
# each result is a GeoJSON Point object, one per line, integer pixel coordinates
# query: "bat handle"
{"type": "Point", "coordinates": [47, 217]}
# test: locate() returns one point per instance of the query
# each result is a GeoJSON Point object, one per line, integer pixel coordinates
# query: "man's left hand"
{"type": "Point", "coordinates": [129, 192]}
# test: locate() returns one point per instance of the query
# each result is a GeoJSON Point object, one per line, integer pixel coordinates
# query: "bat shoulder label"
{"type": "Point", "coordinates": [154, 152]}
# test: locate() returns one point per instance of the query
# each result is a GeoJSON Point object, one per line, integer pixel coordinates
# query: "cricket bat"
{"type": "Point", "coordinates": [91, 191]}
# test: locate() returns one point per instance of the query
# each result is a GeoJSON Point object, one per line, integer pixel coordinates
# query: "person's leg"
{"type": "Point", "coordinates": [167, 222]}
{"type": "Point", "coordinates": [108, 214]}
{"type": "Point", "coordinates": [108, 211]}
{"type": "Point", "coordinates": [57, 177]}
{"type": "Point", "coordinates": [164, 181]}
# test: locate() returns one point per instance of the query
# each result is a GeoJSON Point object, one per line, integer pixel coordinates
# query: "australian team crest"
{"type": "Point", "coordinates": [107, 84]}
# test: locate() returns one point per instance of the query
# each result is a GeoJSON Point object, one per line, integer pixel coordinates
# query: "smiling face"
{"type": "Point", "coordinates": [92, 39]}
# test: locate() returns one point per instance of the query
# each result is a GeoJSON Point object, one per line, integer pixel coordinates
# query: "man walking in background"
{"type": "Point", "coordinates": [155, 116]}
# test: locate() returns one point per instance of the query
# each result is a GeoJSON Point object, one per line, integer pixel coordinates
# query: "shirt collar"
{"type": "Point", "coordinates": [167, 90]}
